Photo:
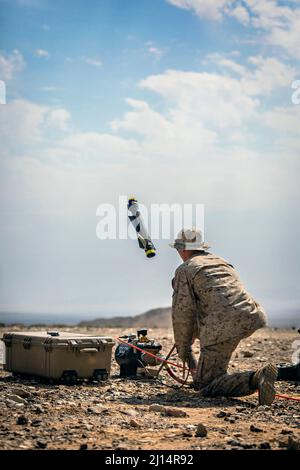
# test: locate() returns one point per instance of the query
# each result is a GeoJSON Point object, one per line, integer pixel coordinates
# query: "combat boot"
{"type": "Point", "coordinates": [263, 380]}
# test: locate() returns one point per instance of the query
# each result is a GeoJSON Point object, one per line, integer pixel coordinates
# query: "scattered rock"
{"type": "Point", "coordinates": [41, 444]}
{"type": "Point", "coordinates": [13, 404]}
{"type": "Point", "coordinates": [293, 444]}
{"type": "Point", "coordinates": [83, 447]}
{"type": "Point", "coordinates": [36, 422]}
{"type": "Point", "coordinates": [175, 412]}
{"type": "Point", "coordinates": [230, 419]}
{"type": "Point", "coordinates": [222, 414]}
{"type": "Point", "coordinates": [16, 398]}
{"type": "Point", "coordinates": [251, 405]}
{"type": "Point", "coordinates": [201, 430]}
{"type": "Point", "coordinates": [263, 408]}
{"type": "Point", "coordinates": [246, 445]}
{"type": "Point", "coordinates": [133, 423]}
{"type": "Point", "coordinates": [25, 445]}
{"type": "Point", "coordinates": [130, 412]}
{"type": "Point", "coordinates": [156, 407]}
{"type": "Point", "coordinates": [247, 353]}
{"type": "Point", "coordinates": [264, 445]}
{"type": "Point", "coordinates": [93, 411]}
{"type": "Point", "coordinates": [234, 442]}
{"type": "Point", "coordinates": [22, 420]}
{"type": "Point", "coordinates": [255, 428]}
{"type": "Point", "coordinates": [20, 392]}
{"type": "Point", "coordinates": [240, 409]}
{"type": "Point", "coordinates": [286, 431]}
{"type": "Point", "coordinates": [39, 410]}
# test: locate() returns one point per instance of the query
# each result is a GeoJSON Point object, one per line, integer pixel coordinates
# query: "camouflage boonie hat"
{"type": "Point", "coordinates": [189, 239]}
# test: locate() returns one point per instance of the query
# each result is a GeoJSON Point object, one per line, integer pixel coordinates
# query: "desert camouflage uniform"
{"type": "Point", "coordinates": [211, 303]}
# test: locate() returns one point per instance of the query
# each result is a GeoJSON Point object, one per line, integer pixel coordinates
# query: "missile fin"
{"type": "Point", "coordinates": [140, 243]}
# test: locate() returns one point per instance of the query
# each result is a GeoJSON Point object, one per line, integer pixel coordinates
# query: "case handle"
{"type": "Point", "coordinates": [89, 350]}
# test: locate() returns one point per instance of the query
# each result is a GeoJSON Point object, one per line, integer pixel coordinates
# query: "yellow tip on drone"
{"type": "Point", "coordinates": [150, 253]}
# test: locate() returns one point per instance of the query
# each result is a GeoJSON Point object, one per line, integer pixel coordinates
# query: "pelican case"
{"type": "Point", "coordinates": [57, 355]}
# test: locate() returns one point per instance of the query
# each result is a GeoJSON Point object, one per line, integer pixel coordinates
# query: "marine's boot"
{"type": "Point", "coordinates": [263, 380]}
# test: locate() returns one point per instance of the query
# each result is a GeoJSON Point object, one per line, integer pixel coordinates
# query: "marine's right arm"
{"type": "Point", "coordinates": [183, 314]}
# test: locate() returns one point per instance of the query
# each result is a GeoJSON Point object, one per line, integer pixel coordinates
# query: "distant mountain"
{"type": "Point", "coordinates": [155, 318]}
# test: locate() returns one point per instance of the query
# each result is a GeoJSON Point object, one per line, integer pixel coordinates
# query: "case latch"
{"type": "Point", "coordinates": [27, 342]}
{"type": "Point", "coordinates": [7, 339]}
{"type": "Point", "coordinates": [48, 344]}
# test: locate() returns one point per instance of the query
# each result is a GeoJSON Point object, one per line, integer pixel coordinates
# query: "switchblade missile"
{"type": "Point", "coordinates": [144, 240]}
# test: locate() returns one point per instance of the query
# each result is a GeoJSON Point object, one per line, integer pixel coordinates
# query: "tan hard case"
{"type": "Point", "coordinates": [58, 355]}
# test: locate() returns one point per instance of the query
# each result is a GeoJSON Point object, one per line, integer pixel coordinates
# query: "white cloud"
{"type": "Point", "coordinates": [59, 118]}
{"type": "Point", "coordinates": [229, 64]}
{"type": "Point", "coordinates": [23, 125]}
{"type": "Point", "coordinates": [10, 64]}
{"type": "Point", "coordinates": [93, 61]}
{"type": "Point", "coordinates": [265, 74]}
{"type": "Point", "coordinates": [280, 22]}
{"type": "Point", "coordinates": [212, 9]}
{"type": "Point", "coordinates": [287, 38]}
{"type": "Point", "coordinates": [269, 14]}
{"type": "Point", "coordinates": [42, 53]}
{"type": "Point", "coordinates": [241, 14]}
{"type": "Point", "coordinates": [20, 125]}
{"type": "Point", "coordinates": [94, 148]}
{"type": "Point", "coordinates": [142, 120]}
{"type": "Point", "coordinates": [268, 75]}
{"type": "Point", "coordinates": [156, 52]}
{"type": "Point", "coordinates": [285, 120]}
{"type": "Point", "coordinates": [153, 50]}
{"type": "Point", "coordinates": [213, 100]}
{"type": "Point", "coordinates": [203, 143]}
{"type": "Point", "coordinates": [168, 137]}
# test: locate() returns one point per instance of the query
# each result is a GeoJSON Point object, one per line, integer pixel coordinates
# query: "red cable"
{"type": "Point", "coordinates": [287, 397]}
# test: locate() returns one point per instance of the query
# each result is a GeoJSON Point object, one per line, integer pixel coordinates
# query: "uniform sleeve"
{"type": "Point", "coordinates": [183, 314]}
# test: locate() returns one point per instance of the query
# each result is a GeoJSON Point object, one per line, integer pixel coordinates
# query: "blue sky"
{"type": "Point", "coordinates": [118, 34]}
{"type": "Point", "coordinates": [173, 100]}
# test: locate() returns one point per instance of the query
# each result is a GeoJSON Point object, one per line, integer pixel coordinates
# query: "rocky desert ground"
{"type": "Point", "coordinates": [151, 414]}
